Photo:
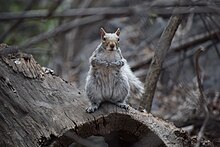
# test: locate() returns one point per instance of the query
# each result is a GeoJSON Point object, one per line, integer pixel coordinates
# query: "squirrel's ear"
{"type": "Point", "coordinates": [117, 32]}
{"type": "Point", "coordinates": [102, 32]}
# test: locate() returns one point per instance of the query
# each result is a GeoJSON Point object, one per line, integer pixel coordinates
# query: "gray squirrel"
{"type": "Point", "coordinates": [110, 77]}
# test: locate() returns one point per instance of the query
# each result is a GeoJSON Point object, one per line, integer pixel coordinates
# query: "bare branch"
{"type": "Point", "coordinates": [157, 61]}
{"type": "Point", "coordinates": [208, 29]}
{"type": "Point", "coordinates": [69, 54]}
{"type": "Point", "coordinates": [42, 14]}
{"type": "Point", "coordinates": [197, 68]}
{"type": "Point", "coordinates": [28, 7]}
{"type": "Point", "coordinates": [17, 23]}
{"type": "Point", "coordinates": [109, 11]}
{"type": "Point", "coordinates": [184, 45]}
{"type": "Point", "coordinates": [195, 40]}
{"type": "Point", "coordinates": [187, 10]}
{"type": "Point", "coordinates": [59, 30]}
{"type": "Point", "coordinates": [53, 8]}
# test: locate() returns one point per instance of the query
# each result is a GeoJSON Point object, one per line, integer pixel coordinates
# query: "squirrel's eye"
{"type": "Point", "coordinates": [118, 39]}
{"type": "Point", "coordinates": [104, 39]}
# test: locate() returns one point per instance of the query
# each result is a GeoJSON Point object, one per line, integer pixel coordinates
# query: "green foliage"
{"type": "Point", "coordinates": [29, 27]}
{"type": "Point", "coordinates": [11, 6]}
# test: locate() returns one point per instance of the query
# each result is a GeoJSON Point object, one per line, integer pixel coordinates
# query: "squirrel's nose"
{"type": "Point", "coordinates": [112, 45]}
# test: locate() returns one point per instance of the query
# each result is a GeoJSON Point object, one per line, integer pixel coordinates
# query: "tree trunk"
{"type": "Point", "coordinates": [41, 109]}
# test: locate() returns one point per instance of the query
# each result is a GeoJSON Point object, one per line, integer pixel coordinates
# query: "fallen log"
{"type": "Point", "coordinates": [38, 108]}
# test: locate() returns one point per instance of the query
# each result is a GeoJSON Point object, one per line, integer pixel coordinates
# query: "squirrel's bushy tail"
{"type": "Point", "coordinates": [136, 87]}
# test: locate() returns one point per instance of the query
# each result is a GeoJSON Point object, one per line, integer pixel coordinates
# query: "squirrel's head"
{"type": "Point", "coordinates": [110, 41]}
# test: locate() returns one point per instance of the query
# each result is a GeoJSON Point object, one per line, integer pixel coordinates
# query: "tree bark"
{"type": "Point", "coordinates": [41, 109]}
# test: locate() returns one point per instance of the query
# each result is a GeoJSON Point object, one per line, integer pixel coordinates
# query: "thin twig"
{"type": "Point", "coordinates": [172, 61]}
{"type": "Point", "coordinates": [185, 44]}
{"type": "Point", "coordinates": [195, 40]}
{"type": "Point", "coordinates": [207, 28]}
{"type": "Point", "coordinates": [218, 26]}
{"type": "Point", "coordinates": [198, 75]}
{"type": "Point", "coordinates": [188, 54]}
{"type": "Point", "coordinates": [202, 97]}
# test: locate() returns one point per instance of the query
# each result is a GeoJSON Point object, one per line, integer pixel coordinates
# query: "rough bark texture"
{"type": "Point", "coordinates": [39, 109]}
{"type": "Point", "coordinates": [157, 61]}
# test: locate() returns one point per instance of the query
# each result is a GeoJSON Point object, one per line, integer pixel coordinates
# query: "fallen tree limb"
{"type": "Point", "coordinates": [39, 109]}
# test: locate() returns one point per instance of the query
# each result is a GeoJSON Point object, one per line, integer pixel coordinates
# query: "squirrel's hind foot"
{"type": "Point", "coordinates": [92, 108]}
{"type": "Point", "coordinates": [122, 105]}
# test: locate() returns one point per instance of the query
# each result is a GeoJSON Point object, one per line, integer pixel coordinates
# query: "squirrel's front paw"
{"type": "Point", "coordinates": [120, 63]}
{"type": "Point", "coordinates": [97, 62]}
{"type": "Point", "coordinates": [91, 109]}
{"type": "Point", "coordinates": [117, 63]}
{"type": "Point", "coordinates": [94, 62]}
